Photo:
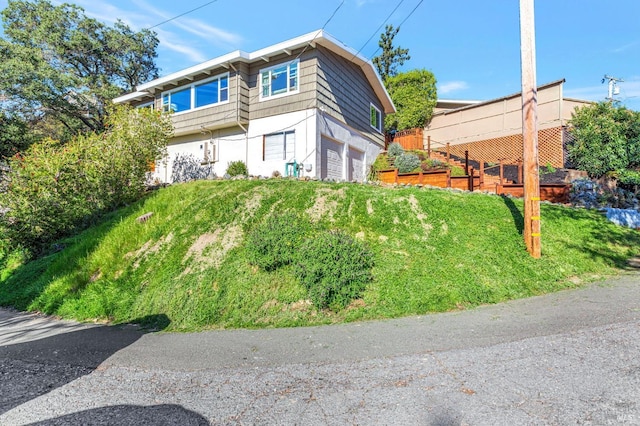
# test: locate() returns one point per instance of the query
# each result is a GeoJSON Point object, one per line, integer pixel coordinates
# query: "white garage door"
{"type": "Point", "coordinates": [356, 165]}
{"type": "Point", "coordinates": [331, 159]}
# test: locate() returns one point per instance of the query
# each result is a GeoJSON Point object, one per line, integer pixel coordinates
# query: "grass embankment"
{"type": "Point", "coordinates": [434, 250]}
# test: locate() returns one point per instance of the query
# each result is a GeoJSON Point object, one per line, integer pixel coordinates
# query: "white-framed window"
{"type": "Point", "coordinates": [375, 118]}
{"type": "Point", "coordinates": [279, 80]}
{"type": "Point", "coordinates": [214, 90]}
{"type": "Point", "coordinates": [279, 146]}
{"type": "Point", "coordinates": [150, 104]}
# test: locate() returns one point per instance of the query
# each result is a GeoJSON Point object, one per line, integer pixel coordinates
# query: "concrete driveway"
{"type": "Point", "coordinates": [564, 358]}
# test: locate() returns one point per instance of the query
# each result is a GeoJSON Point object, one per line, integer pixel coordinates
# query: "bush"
{"type": "Point", "coordinates": [53, 189]}
{"type": "Point", "coordinates": [274, 242]}
{"type": "Point", "coordinates": [237, 168]}
{"type": "Point", "coordinates": [395, 149]}
{"type": "Point", "coordinates": [406, 163]}
{"type": "Point", "coordinates": [334, 268]}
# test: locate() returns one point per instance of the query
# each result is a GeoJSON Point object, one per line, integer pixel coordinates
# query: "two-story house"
{"type": "Point", "coordinates": [311, 101]}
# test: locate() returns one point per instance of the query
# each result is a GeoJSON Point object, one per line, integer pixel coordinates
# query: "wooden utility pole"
{"type": "Point", "coordinates": [530, 129]}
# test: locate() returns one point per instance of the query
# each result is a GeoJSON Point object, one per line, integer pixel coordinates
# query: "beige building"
{"type": "Point", "coordinates": [492, 130]}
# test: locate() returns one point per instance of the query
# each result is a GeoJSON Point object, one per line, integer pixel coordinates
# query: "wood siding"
{"type": "Point", "coordinates": [305, 97]}
{"type": "Point", "coordinates": [345, 94]}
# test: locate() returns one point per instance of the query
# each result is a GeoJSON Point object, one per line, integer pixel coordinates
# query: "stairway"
{"type": "Point", "coordinates": [490, 180]}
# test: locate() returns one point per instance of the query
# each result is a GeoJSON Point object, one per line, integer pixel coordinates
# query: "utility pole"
{"type": "Point", "coordinates": [530, 129]}
{"type": "Point", "coordinates": [613, 89]}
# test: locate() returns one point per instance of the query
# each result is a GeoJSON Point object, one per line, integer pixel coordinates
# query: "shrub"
{"type": "Point", "coordinates": [406, 163]}
{"type": "Point", "coordinates": [54, 189]}
{"type": "Point", "coordinates": [237, 168]}
{"type": "Point", "coordinates": [275, 240]}
{"type": "Point", "coordinates": [334, 268]}
{"type": "Point", "coordinates": [395, 149]}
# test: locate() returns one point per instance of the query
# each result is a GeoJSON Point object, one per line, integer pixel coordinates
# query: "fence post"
{"type": "Point", "coordinates": [471, 179]}
{"type": "Point", "coordinates": [520, 171]}
{"type": "Point", "coordinates": [466, 162]}
{"type": "Point", "coordinates": [501, 171]}
{"type": "Point", "coordinates": [448, 178]}
{"type": "Point", "coordinates": [481, 173]}
{"type": "Point", "coordinates": [395, 175]}
{"type": "Point", "coordinates": [428, 146]}
{"type": "Point", "coordinates": [448, 156]}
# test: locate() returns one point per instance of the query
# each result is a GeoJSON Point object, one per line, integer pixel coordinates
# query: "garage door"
{"type": "Point", "coordinates": [331, 159]}
{"type": "Point", "coordinates": [356, 165]}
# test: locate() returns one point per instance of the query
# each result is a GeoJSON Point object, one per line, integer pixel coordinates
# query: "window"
{"type": "Point", "coordinates": [279, 146]}
{"type": "Point", "coordinates": [279, 80]}
{"type": "Point", "coordinates": [375, 118]}
{"type": "Point", "coordinates": [209, 92]}
{"type": "Point", "coordinates": [149, 105]}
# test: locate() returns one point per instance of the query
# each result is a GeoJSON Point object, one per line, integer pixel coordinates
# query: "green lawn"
{"type": "Point", "coordinates": [435, 250]}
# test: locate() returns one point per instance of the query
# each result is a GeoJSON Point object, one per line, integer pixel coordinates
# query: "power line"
{"type": "Point", "coordinates": [182, 14]}
{"type": "Point", "coordinates": [401, 23]}
{"type": "Point", "coordinates": [378, 29]}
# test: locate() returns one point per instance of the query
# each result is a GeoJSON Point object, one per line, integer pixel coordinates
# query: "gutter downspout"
{"type": "Point", "coordinates": [246, 132]}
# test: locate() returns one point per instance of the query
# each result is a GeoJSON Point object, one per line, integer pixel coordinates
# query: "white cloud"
{"type": "Point", "coordinates": [196, 27]}
{"type": "Point", "coordinates": [171, 42]}
{"type": "Point", "coordinates": [626, 47]}
{"type": "Point", "coordinates": [452, 86]}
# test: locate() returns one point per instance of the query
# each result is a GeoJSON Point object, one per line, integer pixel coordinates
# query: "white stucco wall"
{"type": "Point", "coordinates": [335, 130]}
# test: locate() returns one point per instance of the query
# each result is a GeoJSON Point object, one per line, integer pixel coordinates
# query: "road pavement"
{"type": "Point", "coordinates": [564, 358]}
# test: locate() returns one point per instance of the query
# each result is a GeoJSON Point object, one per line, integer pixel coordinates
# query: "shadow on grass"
{"type": "Point", "coordinates": [48, 354]}
{"type": "Point", "coordinates": [518, 219]}
{"type": "Point", "coordinates": [165, 414]}
{"type": "Point", "coordinates": [602, 238]}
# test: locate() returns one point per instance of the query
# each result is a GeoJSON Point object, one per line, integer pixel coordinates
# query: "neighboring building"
{"type": "Point", "coordinates": [310, 100]}
{"type": "Point", "coordinates": [492, 130]}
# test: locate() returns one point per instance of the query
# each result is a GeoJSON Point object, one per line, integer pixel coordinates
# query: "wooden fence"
{"type": "Point", "coordinates": [441, 179]}
{"type": "Point", "coordinates": [409, 139]}
{"type": "Point", "coordinates": [555, 193]}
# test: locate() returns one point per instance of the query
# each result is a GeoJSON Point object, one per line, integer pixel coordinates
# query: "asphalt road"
{"type": "Point", "coordinates": [566, 358]}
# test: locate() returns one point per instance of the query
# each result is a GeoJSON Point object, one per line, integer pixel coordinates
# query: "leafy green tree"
{"type": "Point", "coordinates": [57, 62]}
{"type": "Point", "coordinates": [391, 57]}
{"type": "Point", "coordinates": [414, 94]}
{"type": "Point", "coordinates": [14, 136]}
{"type": "Point", "coordinates": [606, 141]}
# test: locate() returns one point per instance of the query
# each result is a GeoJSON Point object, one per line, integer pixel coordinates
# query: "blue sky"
{"type": "Point", "coordinates": [472, 46]}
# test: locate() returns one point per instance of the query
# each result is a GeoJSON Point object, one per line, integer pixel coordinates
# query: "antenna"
{"type": "Point", "coordinates": [613, 88]}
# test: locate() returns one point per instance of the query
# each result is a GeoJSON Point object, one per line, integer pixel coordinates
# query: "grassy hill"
{"type": "Point", "coordinates": [435, 250]}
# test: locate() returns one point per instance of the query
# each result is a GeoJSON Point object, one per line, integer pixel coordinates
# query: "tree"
{"type": "Point", "coordinates": [414, 94]}
{"type": "Point", "coordinates": [606, 141]}
{"type": "Point", "coordinates": [391, 57]}
{"type": "Point", "coordinates": [14, 136]}
{"type": "Point", "coordinates": [56, 62]}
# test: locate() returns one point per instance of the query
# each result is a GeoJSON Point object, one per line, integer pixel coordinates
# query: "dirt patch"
{"type": "Point", "coordinates": [420, 215]}
{"type": "Point", "coordinates": [252, 203]}
{"type": "Point", "coordinates": [326, 203]}
{"type": "Point", "coordinates": [369, 207]}
{"type": "Point", "coordinates": [300, 306]}
{"type": "Point", "coordinates": [149, 249]}
{"type": "Point", "coordinates": [210, 249]}
{"type": "Point", "coordinates": [360, 235]}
